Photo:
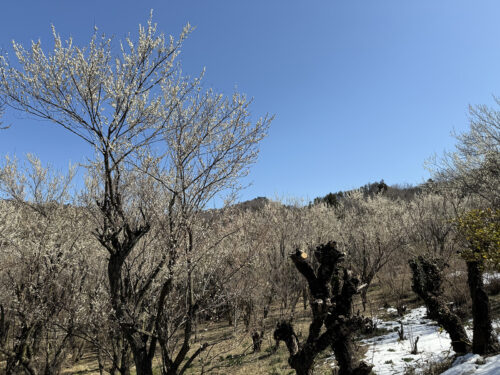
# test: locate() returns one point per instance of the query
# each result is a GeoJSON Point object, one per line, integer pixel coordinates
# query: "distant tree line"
{"type": "Point", "coordinates": [405, 192]}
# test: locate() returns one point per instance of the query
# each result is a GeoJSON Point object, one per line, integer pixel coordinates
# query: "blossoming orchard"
{"type": "Point", "coordinates": [123, 264]}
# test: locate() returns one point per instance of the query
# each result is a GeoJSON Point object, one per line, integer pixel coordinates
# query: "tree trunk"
{"type": "Point", "coordinates": [100, 364]}
{"type": "Point", "coordinates": [305, 298]}
{"type": "Point", "coordinates": [343, 326]}
{"type": "Point", "coordinates": [301, 359]}
{"type": "Point", "coordinates": [484, 340]}
{"type": "Point", "coordinates": [427, 280]}
{"type": "Point", "coordinates": [257, 337]}
{"type": "Point", "coordinates": [451, 323]}
{"type": "Point", "coordinates": [364, 298]}
{"type": "Point", "coordinates": [125, 359]}
{"type": "Point", "coordinates": [143, 363]}
{"type": "Point", "coordinates": [343, 354]}
{"type": "Point", "coordinates": [301, 365]}
{"type": "Point", "coordinates": [331, 311]}
{"type": "Point", "coordinates": [4, 327]}
{"type": "Point", "coordinates": [142, 359]}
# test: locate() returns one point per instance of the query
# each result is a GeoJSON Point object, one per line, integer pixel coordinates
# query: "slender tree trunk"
{"type": "Point", "coordinates": [305, 298]}
{"type": "Point", "coordinates": [366, 279]}
{"type": "Point", "coordinates": [484, 340]}
{"type": "Point", "coordinates": [364, 298]}
{"type": "Point", "coordinates": [257, 337]}
{"type": "Point", "coordinates": [4, 327]}
{"type": "Point", "coordinates": [100, 364]}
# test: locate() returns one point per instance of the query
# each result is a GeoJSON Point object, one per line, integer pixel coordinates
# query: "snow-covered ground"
{"type": "Point", "coordinates": [489, 277]}
{"type": "Point", "coordinates": [391, 356]}
{"type": "Point", "coordinates": [475, 364]}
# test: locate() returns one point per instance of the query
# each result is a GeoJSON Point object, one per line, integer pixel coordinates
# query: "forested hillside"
{"type": "Point", "coordinates": [126, 270]}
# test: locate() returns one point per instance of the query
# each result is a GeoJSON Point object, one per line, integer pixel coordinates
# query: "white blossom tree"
{"type": "Point", "coordinates": [474, 165]}
{"type": "Point", "coordinates": [43, 269]}
{"type": "Point", "coordinates": [123, 105]}
{"type": "Point", "coordinates": [372, 233]}
{"type": "Point", "coordinates": [473, 168]}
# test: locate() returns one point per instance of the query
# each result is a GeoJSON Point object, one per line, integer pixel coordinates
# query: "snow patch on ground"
{"type": "Point", "coordinates": [390, 355]}
{"type": "Point", "coordinates": [475, 364]}
{"type": "Point", "coordinates": [489, 277]}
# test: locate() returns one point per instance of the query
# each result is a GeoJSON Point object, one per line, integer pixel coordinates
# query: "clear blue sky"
{"type": "Point", "coordinates": [362, 90]}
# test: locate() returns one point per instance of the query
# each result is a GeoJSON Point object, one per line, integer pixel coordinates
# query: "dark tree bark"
{"type": "Point", "coordinates": [343, 324]}
{"type": "Point", "coordinates": [427, 284]}
{"type": "Point", "coordinates": [119, 237]}
{"type": "Point", "coordinates": [305, 298]}
{"type": "Point", "coordinates": [21, 356]}
{"type": "Point", "coordinates": [100, 364]}
{"type": "Point", "coordinates": [54, 364]}
{"type": "Point", "coordinates": [332, 323]}
{"type": "Point", "coordinates": [301, 357]}
{"type": "Point", "coordinates": [257, 337]}
{"type": "Point", "coordinates": [121, 356]}
{"type": "Point", "coordinates": [484, 340]}
{"type": "Point", "coordinates": [4, 327]}
{"type": "Point", "coordinates": [141, 345]}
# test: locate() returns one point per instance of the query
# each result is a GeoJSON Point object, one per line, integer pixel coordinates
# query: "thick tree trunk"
{"type": "Point", "coordinates": [427, 280]}
{"type": "Point", "coordinates": [119, 237]}
{"type": "Point", "coordinates": [142, 359]}
{"type": "Point", "coordinates": [451, 323]}
{"type": "Point", "coordinates": [143, 363]}
{"type": "Point", "coordinates": [302, 364]}
{"type": "Point", "coordinates": [331, 306]}
{"type": "Point", "coordinates": [125, 360]}
{"type": "Point", "coordinates": [484, 340]}
{"type": "Point", "coordinates": [343, 354]}
{"type": "Point", "coordinates": [343, 327]}
{"type": "Point", "coordinates": [342, 347]}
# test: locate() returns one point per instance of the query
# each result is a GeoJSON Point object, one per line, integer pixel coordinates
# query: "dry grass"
{"type": "Point", "coordinates": [232, 349]}
{"type": "Point", "coordinates": [232, 353]}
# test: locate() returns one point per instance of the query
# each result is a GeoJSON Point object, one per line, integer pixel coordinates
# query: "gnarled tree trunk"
{"type": "Point", "coordinates": [427, 284]}
{"type": "Point", "coordinates": [331, 305]}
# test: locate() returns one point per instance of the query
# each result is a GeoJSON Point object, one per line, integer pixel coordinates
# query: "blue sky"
{"type": "Point", "coordinates": [361, 90]}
